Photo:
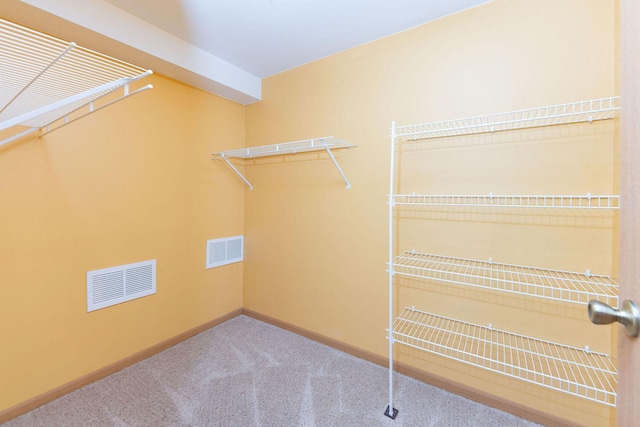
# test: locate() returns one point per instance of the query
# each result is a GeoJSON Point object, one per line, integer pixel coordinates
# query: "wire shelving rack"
{"type": "Point", "coordinates": [576, 371]}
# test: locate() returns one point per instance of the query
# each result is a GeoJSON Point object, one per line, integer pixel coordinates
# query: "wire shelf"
{"type": "Point", "coordinates": [306, 145]}
{"type": "Point", "coordinates": [584, 111]}
{"type": "Point", "coordinates": [325, 143]}
{"type": "Point", "coordinates": [47, 83]}
{"type": "Point", "coordinates": [579, 372]}
{"type": "Point", "coordinates": [43, 79]}
{"type": "Point", "coordinates": [558, 285]}
{"type": "Point", "coordinates": [585, 201]}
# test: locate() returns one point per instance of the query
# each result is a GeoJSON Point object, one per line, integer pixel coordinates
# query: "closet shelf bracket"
{"type": "Point", "coordinates": [246, 181]}
{"type": "Point", "coordinates": [335, 162]}
{"type": "Point", "coordinates": [327, 143]}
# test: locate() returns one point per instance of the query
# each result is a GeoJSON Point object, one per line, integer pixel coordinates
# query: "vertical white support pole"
{"type": "Point", "coordinates": [391, 412]}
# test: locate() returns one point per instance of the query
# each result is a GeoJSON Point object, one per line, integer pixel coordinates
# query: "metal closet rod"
{"type": "Point", "coordinates": [107, 87]}
{"type": "Point", "coordinates": [93, 109]}
{"type": "Point", "coordinates": [101, 91]}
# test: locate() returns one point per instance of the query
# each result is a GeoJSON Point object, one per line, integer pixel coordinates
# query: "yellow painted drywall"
{"type": "Point", "coordinates": [129, 183]}
{"type": "Point", "coordinates": [316, 252]}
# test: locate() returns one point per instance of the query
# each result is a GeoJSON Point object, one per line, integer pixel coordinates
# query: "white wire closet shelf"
{"type": "Point", "coordinates": [557, 285]}
{"type": "Point", "coordinates": [325, 143]}
{"type": "Point", "coordinates": [583, 111]}
{"type": "Point", "coordinates": [572, 370]}
{"type": "Point", "coordinates": [576, 201]}
{"type": "Point", "coordinates": [47, 83]}
{"type": "Point", "coordinates": [579, 372]}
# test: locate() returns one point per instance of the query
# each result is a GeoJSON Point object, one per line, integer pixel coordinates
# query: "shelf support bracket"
{"type": "Point", "coordinates": [44, 70]}
{"type": "Point", "coordinates": [236, 171]}
{"type": "Point", "coordinates": [335, 162]}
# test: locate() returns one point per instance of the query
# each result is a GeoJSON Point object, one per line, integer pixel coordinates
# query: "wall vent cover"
{"type": "Point", "coordinates": [115, 285]}
{"type": "Point", "coordinates": [224, 251]}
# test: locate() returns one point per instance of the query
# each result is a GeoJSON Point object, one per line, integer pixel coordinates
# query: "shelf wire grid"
{"type": "Point", "coordinates": [581, 201]}
{"type": "Point", "coordinates": [584, 111]}
{"type": "Point", "coordinates": [579, 372]}
{"type": "Point", "coordinates": [294, 147]}
{"type": "Point", "coordinates": [558, 285]}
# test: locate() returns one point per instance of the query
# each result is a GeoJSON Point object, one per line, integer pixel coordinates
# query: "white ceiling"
{"type": "Point", "coordinates": [226, 46]}
{"type": "Point", "coordinates": [266, 37]}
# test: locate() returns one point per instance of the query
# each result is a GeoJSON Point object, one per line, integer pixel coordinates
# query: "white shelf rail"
{"type": "Point", "coordinates": [326, 143]}
{"type": "Point", "coordinates": [43, 80]}
{"type": "Point", "coordinates": [579, 372]}
{"type": "Point", "coordinates": [575, 112]}
{"type": "Point", "coordinates": [578, 201]}
{"type": "Point", "coordinates": [558, 285]}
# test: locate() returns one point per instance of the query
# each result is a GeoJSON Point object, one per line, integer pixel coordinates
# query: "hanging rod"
{"type": "Point", "coordinates": [326, 143]}
{"type": "Point", "coordinates": [97, 91]}
{"type": "Point", "coordinates": [18, 135]}
{"type": "Point", "coordinates": [92, 108]}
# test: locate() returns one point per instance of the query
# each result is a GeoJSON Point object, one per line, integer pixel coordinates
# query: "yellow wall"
{"type": "Point", "coordinates": [129, 183]}
{"type": "Point", "coordinates": [316, 252]}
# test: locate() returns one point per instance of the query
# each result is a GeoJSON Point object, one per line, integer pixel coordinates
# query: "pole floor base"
{"type": "Point", "coordinates": [391, 412]}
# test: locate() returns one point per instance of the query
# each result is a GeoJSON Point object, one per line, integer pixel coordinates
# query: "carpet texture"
{"type": "Point", "coordinates": [248, 373]}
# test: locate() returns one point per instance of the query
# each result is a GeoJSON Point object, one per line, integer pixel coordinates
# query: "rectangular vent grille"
{"type": "Point", "coordinates": [115, 285]}
{"type": "Point", "coordinates": [224, 251]}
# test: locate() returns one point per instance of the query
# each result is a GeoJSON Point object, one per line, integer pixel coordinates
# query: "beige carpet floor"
{"type": "Point", "coordinates": [247, 373]}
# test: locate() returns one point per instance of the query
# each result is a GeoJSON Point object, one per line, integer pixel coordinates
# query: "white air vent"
{"type": "Point", "coordinates": [224, 251]}
{"type": "Point", "coordinates": [114, 285]}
